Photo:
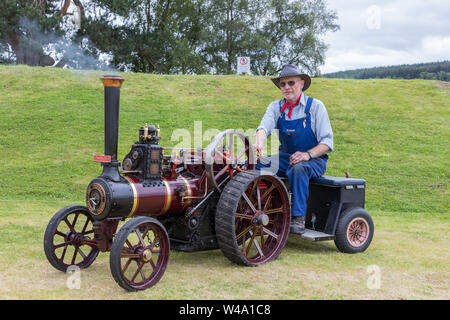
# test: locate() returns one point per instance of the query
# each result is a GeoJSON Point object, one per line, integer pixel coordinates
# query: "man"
{"type": "Point", "coordinates": [305, 136]}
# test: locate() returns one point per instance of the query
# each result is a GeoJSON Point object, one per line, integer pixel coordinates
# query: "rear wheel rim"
{"type": "Point", "coordinates": [358, 232]}
{"type": "Point", "coordinates": [262, 220]}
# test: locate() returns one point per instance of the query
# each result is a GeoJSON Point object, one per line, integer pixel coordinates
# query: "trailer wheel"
{"type": "Point", "coordinates": [354, 231]}
{"type": "Point", "coordinates": [139, 254]}
{"type": "Point", "coordinates": [253, 218]}
{"type": "Point", "coordinates": [62, 245]}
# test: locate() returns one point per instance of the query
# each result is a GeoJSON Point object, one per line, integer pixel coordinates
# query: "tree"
{"type": "Point", "coordinates": [229, 24]}
{"type": "Point", "coordinates": [271, 32]}
{"type": "Point", "coordinates": [28, 26]}
{"type": "Point", "coordinates": [147, 35]}
{"type": "Point", "coordinates": [167, 36]}
{"type": "Point", "coordinates": [291, 34]}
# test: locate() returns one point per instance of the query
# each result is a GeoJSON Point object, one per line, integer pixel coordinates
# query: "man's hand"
{"type": "Point", "coordinates": [299, 157]}
{"type": "Point", "coordinates": [258, 151]}
{"type": "Point", "coordinates": [258, 146]}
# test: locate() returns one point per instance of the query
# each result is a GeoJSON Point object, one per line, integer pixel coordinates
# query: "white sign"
{"type": "Point", "coordinates": [243, 65]}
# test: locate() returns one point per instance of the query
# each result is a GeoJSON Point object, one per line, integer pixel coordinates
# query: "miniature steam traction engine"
{"type": "Point", "coordinates": [199, 199]}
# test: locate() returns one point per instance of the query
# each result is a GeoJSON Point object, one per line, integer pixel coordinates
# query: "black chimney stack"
{"type": "Point", "coordinates": [112, 86]}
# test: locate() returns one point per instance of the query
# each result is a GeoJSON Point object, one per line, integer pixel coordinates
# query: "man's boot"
{"type": "Point", "coordinates": [298, 224]}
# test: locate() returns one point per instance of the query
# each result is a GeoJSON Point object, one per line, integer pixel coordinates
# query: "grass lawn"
{"type": "Point", "coordinates": [392, 133]}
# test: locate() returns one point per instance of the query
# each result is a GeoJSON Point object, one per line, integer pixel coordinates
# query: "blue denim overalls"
{"type": "Point", "coordinates": [296, 135]}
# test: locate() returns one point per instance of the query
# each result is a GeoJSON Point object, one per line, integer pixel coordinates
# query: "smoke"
{"type": "Point", "coordinates": [62, 49]}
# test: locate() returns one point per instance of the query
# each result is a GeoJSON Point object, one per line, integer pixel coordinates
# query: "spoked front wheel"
{"type": "Point", "coordinates": [140, 254]}
{"type": "Point", "coordinates": [65, 238]}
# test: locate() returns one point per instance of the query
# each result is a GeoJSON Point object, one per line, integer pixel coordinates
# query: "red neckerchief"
{"type": "Point", "coordinates": [290, 106]}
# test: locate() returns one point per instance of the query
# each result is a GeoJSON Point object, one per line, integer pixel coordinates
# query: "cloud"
{"type": "Point", "coordinates": [387, 33]}
{"type": "Point", "coordinates": [434, 48]}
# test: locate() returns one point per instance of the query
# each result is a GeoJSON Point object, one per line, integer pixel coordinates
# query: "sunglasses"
{"type": "Point", "coordinates": [290, 83]}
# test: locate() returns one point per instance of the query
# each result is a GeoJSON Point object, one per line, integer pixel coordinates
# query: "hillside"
{"type": "Point", "coordinates": [429, 71]}
{"type": "Point", "coordinates": [393, 133]}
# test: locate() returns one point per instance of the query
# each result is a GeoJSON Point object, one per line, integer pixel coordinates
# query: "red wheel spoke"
{"type": "Point", "coordinates": [152, 263]}
{"type": "Point", "coordinates": [155, 241]}
{"type": "Point", "coordinates": [68, 224]}
{"type": "Point", "coordinates": [145, 233]}
{"type": "Point", "coordinates": [270, 233]}
{"type": "Point", "coordinates": [268, 191]}
{"type": "Point", "coordinates": [240, 208]}
{"type": "Point", "coordinates": [258, 248]}
{"type": "Point", "coordinates": [252, 239]}
{"type": "Point", "coordinates": [243, 216]}
{"type": "Point", "coordinates": [59, 233]}
{"type": "Point", "coordinates": [63, 254]}
{"type": "Point", "coordinates": [244, 232]}
{"type": "Point", "coordinates": [75, 220]}
{"type": "Point", "coordinates": [85, 226]}
{"type": "Point", "coordinates": [130, 255]}
{"type": "Point", "coordinates": [258, 194]}
{"type": "Point", "coordinates": [262, 240]}
{"type": "Point", "coordinates": [267, 202]}
{"type": "Point", "coordinates": [82, 253]}
{"type": "Point", "coordinates": [261, 254]}
{"type": "Point", "coordinates": [276, 210]}
{"type": "Point", "coordinates": [255, 183]}
{"type": "Point", "coordinates": [129, 244]}
{"type": "Point", "coordinates": [139, 270]}
{"type": "Point", "coordinates": [126, 265]}
{"type": "Point", "coordinates": [249, 202]}
{"type": "Point", "coordinates": [87, 232]}
{"type": "Point", "coordinates": [141, 240]}
{"type": "Point", "coordinates": [74, 255]}
{"type": "Point", "coordinates": [64, 244]}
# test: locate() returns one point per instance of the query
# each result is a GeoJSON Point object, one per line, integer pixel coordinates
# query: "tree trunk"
{"type": "Point", "coordinates": [230, 35]}
{"type": "Point", "coordinates": [27, 54]}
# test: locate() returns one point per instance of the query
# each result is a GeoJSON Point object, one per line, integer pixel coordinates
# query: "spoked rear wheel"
{"type": "Point", "coordinates": [140, 254]}
{"type": "Point", "coordinates": [253, 218]}
{"type": "Point", "coordinates": [63, 245]}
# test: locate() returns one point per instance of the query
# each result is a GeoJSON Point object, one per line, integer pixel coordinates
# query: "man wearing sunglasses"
{"type": "Point", "coordinates": [305, 135]}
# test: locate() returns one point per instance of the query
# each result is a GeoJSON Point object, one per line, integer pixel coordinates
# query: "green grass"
{"type": "Point", "coordinates": [392, 133]}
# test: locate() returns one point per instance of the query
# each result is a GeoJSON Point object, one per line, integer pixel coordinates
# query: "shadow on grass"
{"type": "Point", "coordinates": [295, 243]}
{"type": "Point", "coordinates": [215, 257]}
{"type": "Point", "coordinates": [197, 258]}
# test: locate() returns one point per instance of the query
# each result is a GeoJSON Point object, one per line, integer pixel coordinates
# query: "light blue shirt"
{"type": "Point", "coordinates": [320, 123]}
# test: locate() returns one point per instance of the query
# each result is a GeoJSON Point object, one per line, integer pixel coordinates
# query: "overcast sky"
{"type": "Point", "coordinates": [387, 32]}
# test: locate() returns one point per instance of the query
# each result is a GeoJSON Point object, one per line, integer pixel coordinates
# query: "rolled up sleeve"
{"type": "Point", "coordinates": [324, 132]}
{"type": "Point", "coordinates": [269, 120]}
